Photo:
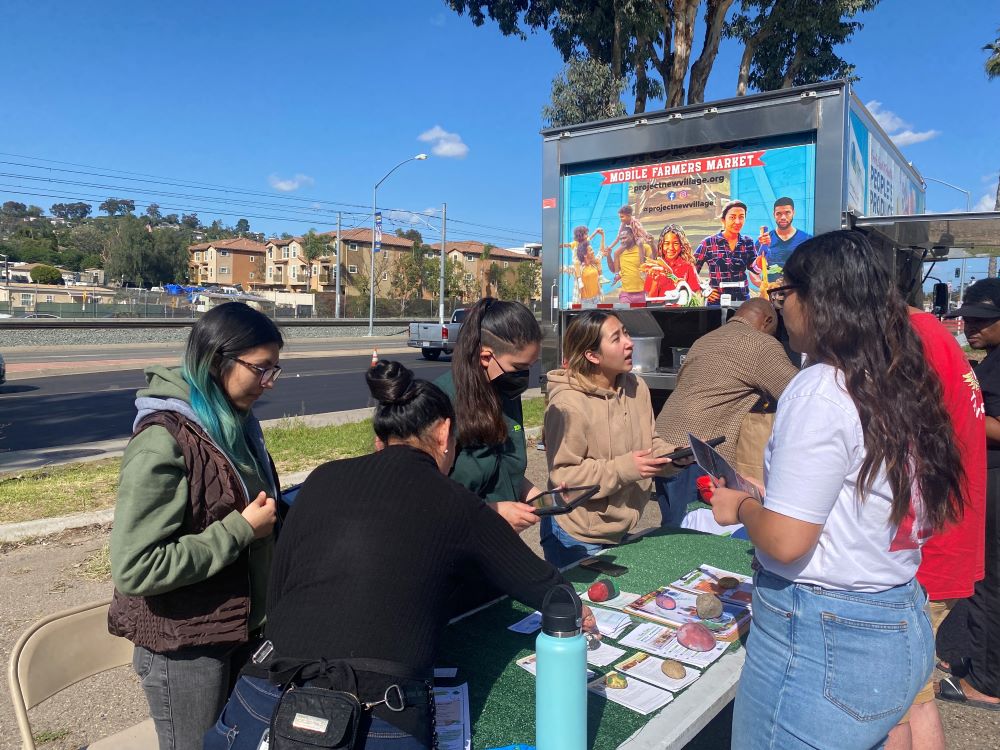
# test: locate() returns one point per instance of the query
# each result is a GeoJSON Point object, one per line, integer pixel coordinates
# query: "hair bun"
{"type": "Point", "coordinates": [389, 382]}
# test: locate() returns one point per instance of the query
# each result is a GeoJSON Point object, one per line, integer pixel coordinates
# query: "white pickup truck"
{"type": "Point", "coordinates": [433, 338]}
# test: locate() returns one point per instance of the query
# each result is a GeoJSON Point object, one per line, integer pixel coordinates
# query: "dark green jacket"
{"type": "Point", "coordinates": [494, 472]}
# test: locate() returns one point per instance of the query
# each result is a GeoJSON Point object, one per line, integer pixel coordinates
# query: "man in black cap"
{"type": "Point", "coordinates": [970, 638]}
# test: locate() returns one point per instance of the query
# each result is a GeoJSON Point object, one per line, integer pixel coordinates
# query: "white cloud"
{"type": "Point", "coordinates": [909, 137]}
{"type": "Point", "coordinates": [412, 217]}
{"type": "Point", "coordinates": [899, 130]}
{"type": "Point", "coordinates": [447, 145]}
{"type": "Point", "coordinates": [988, 201]}
{"type": "Point", "coordinates": [287, 185]}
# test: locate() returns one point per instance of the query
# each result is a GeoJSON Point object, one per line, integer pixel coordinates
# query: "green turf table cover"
{"type": "Point", "coordinates": [502, 695]}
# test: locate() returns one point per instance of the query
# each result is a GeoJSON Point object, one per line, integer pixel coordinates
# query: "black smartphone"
{"type": "Point", "coordinates": [557, 502]}
{"type": "Point", "coordinates": [600, 565]}
{"type": "Point", "coordinates": [686, 452]}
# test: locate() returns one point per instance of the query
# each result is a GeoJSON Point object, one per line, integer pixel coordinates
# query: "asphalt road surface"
{"type": "Point", "coordinates": [73, 409]}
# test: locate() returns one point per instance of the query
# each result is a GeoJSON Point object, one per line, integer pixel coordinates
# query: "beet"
{"type": "Point", "coordinates": [696, 637]}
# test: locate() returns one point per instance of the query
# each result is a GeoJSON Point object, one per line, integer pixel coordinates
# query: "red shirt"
{"type": "Point", "coordinates": [953, 560]}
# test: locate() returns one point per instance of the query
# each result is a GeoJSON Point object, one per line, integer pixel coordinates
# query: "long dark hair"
{"type": "Point", "coordinates": [505, 327]}
{"type": "Point", "coordinates": [407, 406]}
{"type": "Point", "coordinates": [859, 324]}
{"type": "Point", "coordinates": [222, 333]}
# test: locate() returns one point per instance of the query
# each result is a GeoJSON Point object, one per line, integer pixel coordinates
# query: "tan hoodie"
{"type": "Point", "coordinates": [589, 439]}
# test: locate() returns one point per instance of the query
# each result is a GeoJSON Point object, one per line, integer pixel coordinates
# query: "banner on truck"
{"type": "Point", "coordinates": [656, 231]}
{"type": "Point", "coordinates": [878, 183]}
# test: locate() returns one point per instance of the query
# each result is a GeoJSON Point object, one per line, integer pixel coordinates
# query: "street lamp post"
{"type": "Point", "coordinates": [371, 268]}
{"type": "Point", "coordinates": [968, 195]}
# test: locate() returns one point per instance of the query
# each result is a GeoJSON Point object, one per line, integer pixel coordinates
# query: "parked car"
{"type": "Point", "coordinates": [433, 338]}
{"type": "Point", "coordinates": [41, 315]}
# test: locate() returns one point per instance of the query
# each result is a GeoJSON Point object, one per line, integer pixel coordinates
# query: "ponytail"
{"type": "Point", "coordinates": [505, 327]}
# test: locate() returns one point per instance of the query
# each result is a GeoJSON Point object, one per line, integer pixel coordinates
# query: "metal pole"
{"type": "Point", "coordinates": [968, 195]}
{"type": "Point", "coordinates": [961, 284]}
{"type": "Point", "coordinates": [336, 313]}
{"type": "Point", "coordinates": [371, 268]}
{"type": "Point", "coordinates": [444, 225]}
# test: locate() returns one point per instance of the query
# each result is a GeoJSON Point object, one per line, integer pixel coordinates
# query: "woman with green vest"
{"type": "Point", "coordinates": [498, 344]}
{"type": "Point", "coordinates": [193, 533]}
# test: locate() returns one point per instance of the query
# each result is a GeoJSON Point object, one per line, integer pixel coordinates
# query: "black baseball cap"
{"type": "Point", "coordinates": [983, 309]}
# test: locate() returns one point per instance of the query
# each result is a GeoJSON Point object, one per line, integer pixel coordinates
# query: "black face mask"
{"type": "Point", "coordinates": [511, 384]}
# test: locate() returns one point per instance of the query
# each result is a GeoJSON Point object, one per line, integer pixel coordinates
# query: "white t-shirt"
{"type": "Point", "coordinates": [811, 470]}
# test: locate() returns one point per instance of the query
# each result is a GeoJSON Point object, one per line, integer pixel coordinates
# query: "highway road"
{"type": "Point", "coordinates": [70, 410]}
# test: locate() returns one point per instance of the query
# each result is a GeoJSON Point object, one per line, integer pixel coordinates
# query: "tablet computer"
{"type": "Point", "coordinates": [557, 502]}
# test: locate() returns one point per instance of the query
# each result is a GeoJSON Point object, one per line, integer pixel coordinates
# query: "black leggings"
{"type": "Point", "coordinates": [972, 630]}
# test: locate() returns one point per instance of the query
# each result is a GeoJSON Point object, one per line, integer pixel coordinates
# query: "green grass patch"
{"type": "Point", "coordinates": [50, 735]}
{"type": "Point", "coordinates": [75, 488]}
{"type": "Point", "coordinates": [97, 567]}
{"type": "Point", "coordinates": [58, 491]}
{"type": "Point", "coordinates": [534, 410]}
{"type": "Point", "coordinates": [296, 447]}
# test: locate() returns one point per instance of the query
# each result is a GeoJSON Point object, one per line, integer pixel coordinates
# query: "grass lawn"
{"type": "Point", "coordinates": [76, 488]}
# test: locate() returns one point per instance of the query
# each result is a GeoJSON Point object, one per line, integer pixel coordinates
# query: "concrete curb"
{"type": "Point", "coordinates": [17, 532]}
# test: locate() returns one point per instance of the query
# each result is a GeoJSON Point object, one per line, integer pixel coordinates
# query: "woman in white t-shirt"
{"type": "Point", "coordinates": [859, 471]}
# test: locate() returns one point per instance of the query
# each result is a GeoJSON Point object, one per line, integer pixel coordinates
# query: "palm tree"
{"type": "Point", "coordinates": [992, 64]}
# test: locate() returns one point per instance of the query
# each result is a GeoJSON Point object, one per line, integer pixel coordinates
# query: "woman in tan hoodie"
{"type": "Point", "coordinates": [599, 429]}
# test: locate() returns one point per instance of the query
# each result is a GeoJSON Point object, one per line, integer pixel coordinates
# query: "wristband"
{"type": "Point", "coordinates": [740, 506]}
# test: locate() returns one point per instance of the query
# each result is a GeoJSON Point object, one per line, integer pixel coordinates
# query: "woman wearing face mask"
{"type": "Point", "coordinates": [496, 348]}
{"type": "Point", "coordinates": [599, 429]}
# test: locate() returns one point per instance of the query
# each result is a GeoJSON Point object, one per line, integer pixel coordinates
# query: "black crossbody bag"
{"type": "Point", "coordinates": [310, 716]}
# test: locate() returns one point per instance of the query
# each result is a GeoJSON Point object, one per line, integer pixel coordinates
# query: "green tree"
{"type": "Point", "coordinates": [494, 275]}
{"type": "Point", "coordinates": [314, 246]}
{"type": "Point", "coordinates": [153, 214]}
{"type": "Point", "coordinates": [71, 211]}
{"type": "Point", "coordinates": [411, 234]}
{"type": "Point", "coordinates": [169, 258]}
{"type": "Point", "coordinates": [87, 239]}
{"type": "Point", "coordinates": [406, 278]}
{"type": "Point", "coordinates": [454, 278]}
{"type": "Point", "coordinates": [242, 227]}
{"type": "Point", "coordinates": [791, 42]}
{"type": "Point", "coordinates": [46, 275]}
{"type": "Point", "coordinates": [128, 251]}
{"type": "Point", "coordinates": [527, 274]}
{"type": "Point", "coordinates": [171, 219]}
{"type": "Point", "coordinates": [191, 221]}
{"type": "Point", "coordinates": [111, 206]}
{"type": "Point", "coordinates": [14, 210]}
{"type": "Point", "coordinates": [584, 91]}
{"type": "Point", "coordinates": [992, 64]}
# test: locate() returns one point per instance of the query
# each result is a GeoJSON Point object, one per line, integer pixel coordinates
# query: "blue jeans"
{"type": "Point", "coordinates": [247, 717]}
{"type": "Point", "coordinates": [561, 549]}
{"type": "Point", "coordinates": [185, 690]}
{"type": "Point", "coordinates": [830, 669]}
{"type": "Point", "coordinates": [674, 493]}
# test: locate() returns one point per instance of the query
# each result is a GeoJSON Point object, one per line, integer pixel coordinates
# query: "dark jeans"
{"type": "Point", "coordinates": [247, 717]}
{"type": "Point", "coordinates": [186, 689]}
{"type": "Point", "coordinates": [673, 494]}
{"type": "Point", "coordinates": [971, 633]}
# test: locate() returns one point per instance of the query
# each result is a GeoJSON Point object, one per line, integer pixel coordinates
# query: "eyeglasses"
{"type": "Point", "coordinates": [267, 374]}
{"type": "Point", "coordinates": [779, 293]}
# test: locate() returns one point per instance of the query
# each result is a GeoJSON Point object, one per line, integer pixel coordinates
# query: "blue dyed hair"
{"type": "Point", "coordinates": [222, 333]}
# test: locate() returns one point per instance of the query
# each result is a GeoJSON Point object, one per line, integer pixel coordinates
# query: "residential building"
{"type": "Point", "coordinates": [288, 269]}
{"type": "Point", "coordinates": [233, 262]}
{"type": "Point", "coordinates": [28, 296]}
{"type": "Point", "coordinates": [487, 271]}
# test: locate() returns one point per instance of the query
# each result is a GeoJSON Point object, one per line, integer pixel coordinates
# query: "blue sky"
{"type": "Point", "coordinates": [315, 101]}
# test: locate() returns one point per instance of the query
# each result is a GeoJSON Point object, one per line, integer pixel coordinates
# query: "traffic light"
{"type": "Point", "coordinates": [958, 273]}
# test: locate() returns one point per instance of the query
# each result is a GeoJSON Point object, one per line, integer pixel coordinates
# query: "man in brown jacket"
{"type": "Point", "coordinates": [726, 373]}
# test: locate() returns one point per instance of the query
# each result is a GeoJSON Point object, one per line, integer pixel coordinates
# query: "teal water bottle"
{"type": "Point", "coordinates": [561, 673]}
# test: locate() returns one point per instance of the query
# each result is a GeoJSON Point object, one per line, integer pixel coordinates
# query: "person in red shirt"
{"type": "Point", "coordinates": [672, 264]}
{"type": "Point", "coordinates": [953, 560]}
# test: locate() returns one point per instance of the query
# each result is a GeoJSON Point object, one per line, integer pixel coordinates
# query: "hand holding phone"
{"type": "Point", "coordinates": [647, 464]}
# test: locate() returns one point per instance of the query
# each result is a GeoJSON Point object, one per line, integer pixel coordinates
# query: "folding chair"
{"type": "Point", "coordinates": [60, 650]}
